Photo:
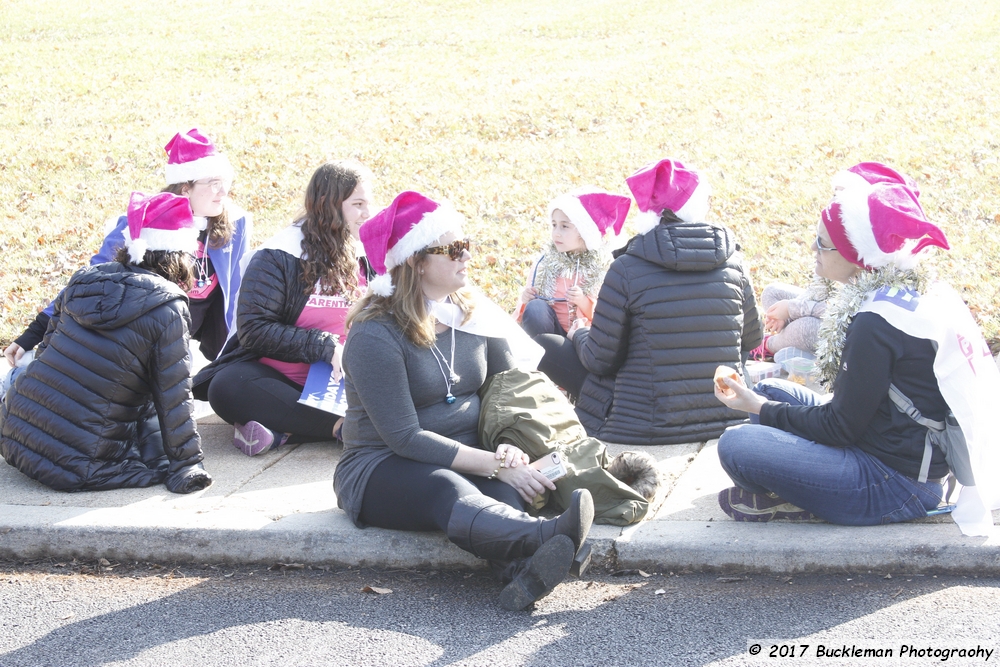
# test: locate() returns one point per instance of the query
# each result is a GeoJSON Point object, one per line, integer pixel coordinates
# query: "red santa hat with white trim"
{"type": "Point", "coordinates": [870, 173]}
{"type": "Point", "coordinates": [593, 212]}
{"type": "Point", "coordinates": [878, 224]}
{"type": "Point", "coordinates": [668, 184]}
{"type": "Point", "coordinates": [160, 222]}
{"type": "Point", "coordinates": [192, 155]}
{"type": "Point", "coordinates": [408, 225]}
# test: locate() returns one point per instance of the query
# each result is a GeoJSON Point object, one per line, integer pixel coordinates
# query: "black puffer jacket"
{"type": "Point", "coordinates": [272, 296]}
{"type": "Point", "coordinates": [113, 367]}
{"type": "Point", "coordinates": [674, 306]}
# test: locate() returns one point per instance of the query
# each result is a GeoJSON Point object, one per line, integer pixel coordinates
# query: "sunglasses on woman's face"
{"type": "Point", "coordinates": [821, 247]}
{"type": "Point", "coordinates": [454, 250]}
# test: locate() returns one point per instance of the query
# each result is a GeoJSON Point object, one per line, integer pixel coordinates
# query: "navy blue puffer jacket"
{"type": "Point", "coordinates": [107, 402]}
{"type": "Point", "coordinates": [674, 306]}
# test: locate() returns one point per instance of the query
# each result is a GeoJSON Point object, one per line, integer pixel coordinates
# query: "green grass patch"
{"type": "Point", "coordinates": [499, 106]}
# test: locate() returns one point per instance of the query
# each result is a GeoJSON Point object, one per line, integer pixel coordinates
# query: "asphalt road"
{"type": "Point", "coordinates": [68, 614]}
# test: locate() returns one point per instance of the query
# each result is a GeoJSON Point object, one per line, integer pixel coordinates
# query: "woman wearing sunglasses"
{"type": "Point", "coordinates": [891, 342]}
{"type": "Point", "coordinates": [196, 170]}
{"type": "Point", "coordinates": [792, 314]}
{"type": "Point", "coordinates": [296, 293]}
{"type": "Point", "coordinates": [420, 347]}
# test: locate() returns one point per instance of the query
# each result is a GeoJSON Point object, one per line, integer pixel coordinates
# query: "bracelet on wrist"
{"type": "Point", "coordinates": [496, 472]}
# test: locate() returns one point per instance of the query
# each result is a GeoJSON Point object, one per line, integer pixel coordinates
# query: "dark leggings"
{"type": "Point", "coordinates": [250, 391]}
{"type": "Point", "coordinates": [561, 363]}
{"type": "Point", "coordinates": [403, 494]}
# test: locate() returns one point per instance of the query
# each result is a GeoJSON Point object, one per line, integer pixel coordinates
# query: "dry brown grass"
{"type": "Point", "coordinates": [499, 106]}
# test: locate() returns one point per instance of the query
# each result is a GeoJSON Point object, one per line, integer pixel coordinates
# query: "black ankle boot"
{"type": "Point", "coordinates": [533, 578]}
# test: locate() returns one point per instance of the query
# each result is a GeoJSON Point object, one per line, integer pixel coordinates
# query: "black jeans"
{"type": "Point", "coordinates": [561, 363]}
{"type": "Point", "coordinates": [250, 391]}
{"type": "Point", "coordinates": [403, 494]}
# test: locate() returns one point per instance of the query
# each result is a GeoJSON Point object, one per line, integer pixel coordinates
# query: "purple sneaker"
{"type": "Point", "coordinates": [254, 438]}
{"type": "Point", "coordinates": [745, 506]}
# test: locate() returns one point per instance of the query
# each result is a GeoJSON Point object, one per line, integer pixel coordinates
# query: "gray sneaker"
{"type": "Point", "coordinates": [743, 505]}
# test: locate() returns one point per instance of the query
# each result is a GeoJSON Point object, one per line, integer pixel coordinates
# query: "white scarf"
{"type": "Point", "coordinates": [489, 320]}
{"type": "Point", "coordinates": [968, 379]}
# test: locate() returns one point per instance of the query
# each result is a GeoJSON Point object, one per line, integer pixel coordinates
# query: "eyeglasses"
{"type": "Point", "coordinates": [454, 250]}
{"type": "Point", "coordinates": [217, 185]}
{"type": "Point", "coordinates": [821, 247]}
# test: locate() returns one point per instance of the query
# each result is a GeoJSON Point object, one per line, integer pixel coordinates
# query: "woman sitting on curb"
{"type": "Point", "coordinates": [296, 292]}
{"type": "Point", "coordinates": [106, 403]}
{"type": "Point", "coordinates": [411, 457]}
{"type": "Point", "coordinates": [858, 459]}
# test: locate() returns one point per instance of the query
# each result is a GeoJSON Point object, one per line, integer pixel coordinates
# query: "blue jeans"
{"type": "Point", "coordinates": [539, 318]}
{"type": "Point", "coordinates": [843, 485]}
{"type": "Point", "coordinates": [7, 381]}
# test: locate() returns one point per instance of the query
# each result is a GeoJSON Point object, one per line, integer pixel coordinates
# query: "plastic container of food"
{"type": "Point", "coordinates": [761, 370]}
{"type": "Point", "coordinates": [799, 365]}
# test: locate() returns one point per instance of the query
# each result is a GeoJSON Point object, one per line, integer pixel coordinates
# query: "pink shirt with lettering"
{"type": "Point", "coordinates": [323, 311]}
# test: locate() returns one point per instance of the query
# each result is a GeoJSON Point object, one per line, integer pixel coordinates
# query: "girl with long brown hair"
{"type": "Point", "coordinates": [292, 308]}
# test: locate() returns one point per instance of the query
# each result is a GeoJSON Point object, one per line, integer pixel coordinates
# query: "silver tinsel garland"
{"type": "Point", "coordinates": [840, 313]}
{"type": "Point", "coordinates": [590, 264]}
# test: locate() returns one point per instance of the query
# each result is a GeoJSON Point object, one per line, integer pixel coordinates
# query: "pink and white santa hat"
{"type": "Point", "coordinates": [593, 212]}
{"type": "Point", "coordinates": [191, 156]}
{"type": "Point", "coordinates": [877, 224]}
{"type": "Point", "coordinates": [668, 184]}
{"type": "Point", "coordinates": [160, 222]}
{"type": "Point", "coordinates": [869, 173]}
{"type": "Point", "coordinates": [408, 225]}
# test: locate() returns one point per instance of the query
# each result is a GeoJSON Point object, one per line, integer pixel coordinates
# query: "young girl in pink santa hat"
{"type": "Point", "coordinates": [907, 366]}
{"type": "Point", "coordinates": [198, 171]}
{"type": "Point", "coordinates": [421, 345]}
{"type": "Point", "coordinates": [106, 403]}
{"type": "Point", "coordinates": [564, 281]}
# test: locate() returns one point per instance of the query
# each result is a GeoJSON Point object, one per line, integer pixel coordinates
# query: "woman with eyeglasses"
{"type": "Point", "coordinates": [421, 345]}
{"type": "Point", "coordinates": [296, 292]}
{"type": "Point", "coordinates": [792, 314]}
{"type": "Point", "coordinates": [901, 354]}
{"type": "Point", "coordinates": [196, 170]}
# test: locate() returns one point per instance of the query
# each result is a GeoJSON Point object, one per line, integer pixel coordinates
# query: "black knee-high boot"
{"type": "Point", "coordinates": [496, 531]}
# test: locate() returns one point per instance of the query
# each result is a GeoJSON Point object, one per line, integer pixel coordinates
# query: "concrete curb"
{"type": "Point", "coordinates": [232, 537]}
{"type": "Point", "coordinates": [229, 536]}
{"type": "Point", "coordinates": [798, 548]}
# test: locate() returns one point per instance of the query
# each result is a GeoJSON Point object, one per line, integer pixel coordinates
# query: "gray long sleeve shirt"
{"type": "Point", "coordinates": [396, 401]}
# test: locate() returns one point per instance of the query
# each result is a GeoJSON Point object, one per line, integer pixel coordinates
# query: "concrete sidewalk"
{"type": "Point", "coordinates": [280, 508]}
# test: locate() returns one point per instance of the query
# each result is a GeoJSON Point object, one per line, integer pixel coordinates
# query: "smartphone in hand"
{"type": "Point", "coordinates": [551, 465]}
